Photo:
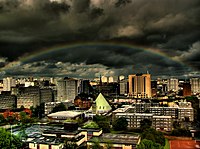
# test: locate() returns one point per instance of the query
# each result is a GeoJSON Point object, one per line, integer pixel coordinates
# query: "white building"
{"type": "Point", "coordinates": [172, 85]}
{"type": "Point", "coordinates": [8, 83]}
{"type": "Point", "coordinates": [195, 85]}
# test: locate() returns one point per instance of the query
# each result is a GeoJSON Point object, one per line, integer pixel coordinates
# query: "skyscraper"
{"type": "Point", "coordinates": [140, 85]}
{"type": "Point", "coordinates": [8, 83]}
{"type": "Point", "coordinates": [67, 89]}
{"type": "Point", "coordinates": [172, 84]}
{"type": "Point", "coordinates": [195, 85]}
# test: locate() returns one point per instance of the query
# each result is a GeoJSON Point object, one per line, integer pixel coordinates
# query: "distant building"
{"type": "Point", "coordinates": [61, 116]}
{"type": "Point", "coordinates": [195, 85]}
{"type": "Point", "coordinates": [46, 95]}
{"type": "Point", "coordinates": [8, 101]}
{"type": "Point", "coordinates": [172, 84]}
{"type": "Point", "coordinates": [67, 89]}
{"type": "Point", "coordinates": [123, 84]}
{"type": "Point", "coordinates": [84, 87]}
{"type": "Point", "coordinates": [162, 123]}
{"type": "Point", "coordinates": [82, 103]}
{"type": "Point", "coordinates": [154, 88]}
{"type": "Point", "coordinates": [187, 89]}
{"type": "Point", "coordinates": [8, 83]}
{"type": "Point", "coordinates": [118, 141]}
{"type": "Point", "coordinates": [134, 118]}
{"type": "Point", "coordinates": [29, 96]}
{"type": "Point", "coordinates": [140, 86]}
{"type": "Point", "coordinates": [100, 106]}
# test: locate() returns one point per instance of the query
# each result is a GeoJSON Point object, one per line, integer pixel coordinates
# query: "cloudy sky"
{"type": "Point", "coordinates": [86, 38]}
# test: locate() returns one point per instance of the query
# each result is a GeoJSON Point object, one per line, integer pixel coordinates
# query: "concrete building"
{"type": "Point", "coordinates": [166, 111]}
{"type": "Point", "coordinates": [100, 106]}
{"type": "Point", "coordinates": [8, 101]}
{"type": "Point", "coordinates": [140, 85]}
{"type": "Point", "coordinates": [118, 141]}
{"type": "Point", "coordinates": [84, 87]}
{"type": "Point", "coordinates": [46, 95]}
{"type": "Point", "coordinates": [67, 89]}
{"type": "Point", "coordinates": [29, 96]}
{"type": "Point", "coordinates": [195, 85]}
{"type": "Point", "coordinates": [162, 123]}
{"type": "Point", "coordinates": [134, 118]}
{"type": "Point", "coordinates": [123, 87]}
{"type": "Point", "coordinates": [172, 84]}
{"type": "Point", "coordinates": [8, 83]}
{"type": "Point", "coordinates": [142, 107]}
{"type": "Point", "coordinates": [187, 89]}
{"type": "Point", "coordinates": [186, 114]}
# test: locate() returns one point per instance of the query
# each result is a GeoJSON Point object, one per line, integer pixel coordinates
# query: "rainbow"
{"type": "Point", "coordinates": [91, 44]}
{"type": "Point", "coordinates": [95, 44]}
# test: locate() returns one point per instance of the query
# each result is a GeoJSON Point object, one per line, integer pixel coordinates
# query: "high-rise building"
{"type": "Point", "coordinates": [186, 89]}
{"type": "Point", "coordinates": [195, 85]}
{"type": "Point", "coordinates": [67, 89]}
{"type": "Point", "coordinates": [84, 86]}
{"type": "Point", "coordinates": [140, 85]}
{"type": "Point", "coordinates": [172, 84]}
{"type": "Point", "coordinates": [123, 87]}
{"type": "Point", "coordinates": [8, 83]}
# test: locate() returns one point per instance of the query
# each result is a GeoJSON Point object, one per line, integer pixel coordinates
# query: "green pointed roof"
{"type": "Point", "coordinates": [102, 105]}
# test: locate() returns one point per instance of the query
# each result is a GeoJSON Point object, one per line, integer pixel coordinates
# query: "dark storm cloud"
{"type": "Point", "coordinates": [172, 26]}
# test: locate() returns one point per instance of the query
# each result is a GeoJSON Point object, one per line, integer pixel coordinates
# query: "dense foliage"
{"type": "Point", "coordinates": [102, 122]}
{"type": "Point", "coordinates": [120, 124]}
{"type": "Point", "coordinates": [59, 107]}
{"type": "Point", "coordinates": [8, 141]}
{"type": "Point", "coordinates": [145, 124]}
{"type": "Point", "coordinates": [153, 135]}
{"type": "Point", "coordinates": [91, 124]}
{"type": "Point", "coordinates": [148, 144]}
{"type": "Point", "coordinates": [181, 132]}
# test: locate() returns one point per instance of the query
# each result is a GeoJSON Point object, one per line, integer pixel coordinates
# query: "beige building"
{"type": "Point", "coordinates": [162, 123]}
{"type": "Point", "coordinates": [195, 85]}
{"type": "Point", "coordinates": [140, 85]}
{"type": "Point", "coordinates": [67, 89]}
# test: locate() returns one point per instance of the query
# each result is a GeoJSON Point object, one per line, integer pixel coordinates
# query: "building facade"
{"type": "Point", "coordinates": [67, 89]}
{"type": "Point", "coordinates": [195, 85]}
{"type": "Point", "coordinates": [172, 84]}
{"type": "Point", "coordinates": [140, 85]}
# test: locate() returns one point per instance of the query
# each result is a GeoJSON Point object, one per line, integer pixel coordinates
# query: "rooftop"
{"type": "Point", "coordinates": [65, 114]}
{"type": "Point", "coordinates": [118, 138]}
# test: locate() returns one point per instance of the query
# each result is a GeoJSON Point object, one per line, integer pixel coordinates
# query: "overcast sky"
{"type": "Point", "coordinates": [172, 27]}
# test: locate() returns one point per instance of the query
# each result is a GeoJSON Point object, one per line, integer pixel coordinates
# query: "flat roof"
{"type": "Point", "coordinates": [65, 114]}
{"type": "Point", "coordinates": [47, 140]}
{"type": "Point", "coordinates": [162, 116]}
{"type": "Point", "coordinates": [118, 138]}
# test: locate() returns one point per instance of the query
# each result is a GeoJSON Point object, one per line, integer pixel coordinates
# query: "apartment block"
{"type": "Point", "coordinates": [162, 123]}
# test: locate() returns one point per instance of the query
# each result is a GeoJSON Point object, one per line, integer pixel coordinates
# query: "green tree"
{"type": "Point", "coordinates": [96, 144]}
{"type": "Point", "coordinates": [120, 124]}
{"type": "Point", "coordinates": [102, 122]}
{"type": "Point", "coordinates": [181, 132]}
{"type": "Point", "coordinates": [37, 111]}
{"type": "Point", "coordinates": [2, 119]}
{"type": "Point", "coordinates": [145, 124]}
{"type": "Point", "coordinates": [70, 145]}
{"type": "Point", "coordinates": [153, 135]}
{"type": "Point", "coordinates": [59, 107]}
{"type": "Point", "coordinates": [148, 144]}
{"type": "Point", "coordinates": [8, 141]}
{"type": "Point", "coordinates": [176, 124]}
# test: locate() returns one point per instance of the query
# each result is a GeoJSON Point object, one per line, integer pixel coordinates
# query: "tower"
{"type": "Point", "coordinates": [140, 85]}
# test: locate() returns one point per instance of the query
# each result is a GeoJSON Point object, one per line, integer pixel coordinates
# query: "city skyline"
{"type": "Point", "coordinates": [90, 38]}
